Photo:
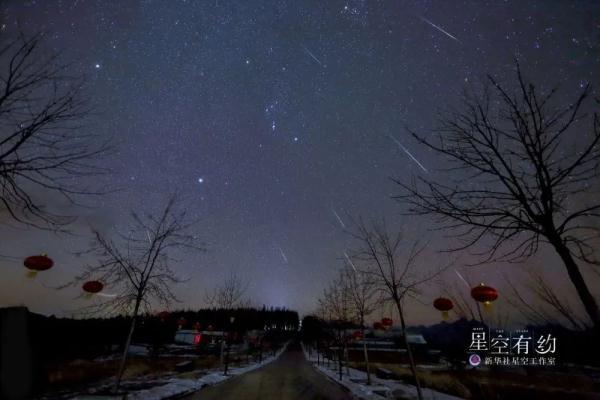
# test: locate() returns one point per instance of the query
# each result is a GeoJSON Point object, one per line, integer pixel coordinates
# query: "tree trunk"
{"type": "Point", "coordinates": [340, 358]}
{"type": "Point", "coordinates": [366, 354]}
{"type": "Point", "coordinates": [589, 303]}
{"type": "Point", "coordinates": [138, 300]}
{"type": "Point", "coordinates": [411, 360]}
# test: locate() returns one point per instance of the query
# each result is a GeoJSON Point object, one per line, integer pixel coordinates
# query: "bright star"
{"type": "Point", "coordinates": [97, 66]}
{"type": "Point", "coordinates": [200, 180]}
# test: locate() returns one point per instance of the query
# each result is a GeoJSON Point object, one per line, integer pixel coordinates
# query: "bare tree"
{"type": "Point", "coordinates": [337, 305]}
{"type": "Point", "coordinates": [227, 296]}
{"type": "Point", "coordinates": [549, 308]}
{"type": "Point", "coordinates": [138, 266]}
{"type": "Point", "coordinates": [365, 298]}
{"type": "Point", "coordinates": [230, 294]}
{"type": "Point", "coordinates": [518, 180]}
{"type": "Point", "coordinates": [43, 147]}
{"type": "Point", "coordinates": [379, 254]}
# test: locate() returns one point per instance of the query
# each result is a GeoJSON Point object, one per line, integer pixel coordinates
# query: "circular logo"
{"type": "Point", "coordinates": [474, 360]}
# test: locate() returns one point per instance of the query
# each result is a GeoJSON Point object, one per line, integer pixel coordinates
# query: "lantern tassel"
{"type": "Point", "coordinates": [31, 274]}
{"type": "Point", "coordinates": [487, 306]}
{"type": "Point", "coordinates": [87, 296]}
{"type": "Point", "coordinates": [444, 315]}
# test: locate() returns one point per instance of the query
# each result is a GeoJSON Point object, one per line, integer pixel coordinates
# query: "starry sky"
{"type": "Point", "coordinates": [276, 119]}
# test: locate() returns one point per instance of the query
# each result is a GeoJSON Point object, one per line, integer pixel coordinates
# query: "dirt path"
{"type": "Point", "coordinates": [289, 377]}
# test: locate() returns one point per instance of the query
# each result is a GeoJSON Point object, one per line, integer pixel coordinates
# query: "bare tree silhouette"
{"type": "Point", "coordinates": [550, 307]}
{"type": "Point", "coordinates": [379, 254]}
{"type": "Point", "coordinates": [337, 306]}
{"type": "Point", "coordinates": [138, 266]}
{"type": "Point", "coordinates": [518, 181]}
{"type": "Point", "coordinates": [228, 295]}
{"type": "Point", "coordinates": [44, 148]}
{"type": "Point", "coordinates": [365, 298]}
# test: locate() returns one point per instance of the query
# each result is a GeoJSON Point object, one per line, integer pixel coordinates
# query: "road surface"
{"type": "Point", "coordinates": [288, 378]}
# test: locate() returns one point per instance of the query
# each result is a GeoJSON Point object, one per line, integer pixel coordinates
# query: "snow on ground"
{"type": "Point", "coordinates": [178, 387]}
{"type": "Point", "coordinates": [379, 389]}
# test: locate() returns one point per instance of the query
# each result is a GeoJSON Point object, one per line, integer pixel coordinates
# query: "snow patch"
{"type": "Point", "coordinates": [178, 387]}
{"type": "Point", "coordinates": [355, 381]}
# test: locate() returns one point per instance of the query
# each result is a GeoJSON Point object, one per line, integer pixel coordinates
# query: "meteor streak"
{"type": "Point", "coordinates": [283, 255]}
{"type": "Point", "coordinates": [350, 261]}
{"type": "Point", "coordinates": [462, 279]}
{"type": "Point", "coordinates": [439, 29]}
{"type": "Point", "coordinates": [338, 218]}
{"type": "Point", "coordinates": [408, 153]}
{"type": "Point", "coordinates": [312, 55]}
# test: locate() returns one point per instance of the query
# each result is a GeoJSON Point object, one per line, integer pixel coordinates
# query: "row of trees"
{"type": "Point", "coordinates": [380, 269]}
{"type": "Point", "coordinates": [515, 182]}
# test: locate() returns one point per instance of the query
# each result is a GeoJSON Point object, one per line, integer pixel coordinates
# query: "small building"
{"type": "Point", "coordinates": [197, 338]}
{"type": "Point", "coordinates": [188, 336]}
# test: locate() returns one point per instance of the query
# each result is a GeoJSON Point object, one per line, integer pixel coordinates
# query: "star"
{"type": "Point", "coordinates": [97, 66]}
{"type": "Point", "coordinates": [200, 180]}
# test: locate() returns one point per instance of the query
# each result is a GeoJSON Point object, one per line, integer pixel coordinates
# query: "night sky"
{"type": "Point", "coordinates": [269, 118]}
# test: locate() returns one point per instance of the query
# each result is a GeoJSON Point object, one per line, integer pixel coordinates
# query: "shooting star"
{"type": "Point", "coordinates": [339, 219]}
{"type": "Point", "coordinates": [283, 255]}
{"type": "Point", "coordinates": [312, 55]}
{"type": "Point", "coordinates": [462, 279]}
{"type": "Point", "coordinates": [439, 28]}
{"type": "Point", "coordinates": [408, 153]}
{"type": "Point", "coordinates": [350, 261]}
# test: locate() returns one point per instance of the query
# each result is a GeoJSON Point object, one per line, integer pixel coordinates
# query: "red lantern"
{"type": "Point", "coordinates": [484, 294]}
{"type": "Point", "coordinates": [357, 335]}
{"type": "Point", "coordinates": [92, 287]}
{"type": "Point", "coordinates": [164, 315]}
{"type": "Point", "coordinates": [378, 326]}
{"type": "Point", "coordinates": [37, 263]}
{"type": "Point", "coordinates": [444, 305]}
{"type": "Point", "coordinates": [387, 322]}
{"type": "Point", "coordinates": [181, 322]}
{"type": "Point", "coordinates": [197, 326]}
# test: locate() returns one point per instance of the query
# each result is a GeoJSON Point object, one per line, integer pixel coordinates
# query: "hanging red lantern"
{"type": "Point", "coordinates": [164, 315]}
{"type": "Point", "coordinates": [37, 263]}
{"type": "Point", "coordinates": [197, 326]}
{"type": "Point", "coordinates": [92, 287]}
{"type": "Point", "coordinates": [357, 335]}
{"type": "Point", "coordinates": [378, 326]}
{"type": "Point", "coordinates": [484, 294]}
{"type": "Point", "coordinates": [444, 305]}
{"type": "Point", "coordinates": [181, 322]}
{"type": "Point", "coordinates": [387, 322]}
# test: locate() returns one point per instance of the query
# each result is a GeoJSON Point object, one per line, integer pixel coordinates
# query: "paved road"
{"type": "Point", "coordinates": [288, 378]}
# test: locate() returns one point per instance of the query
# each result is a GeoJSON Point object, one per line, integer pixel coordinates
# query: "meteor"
{"type": "Point", "coordinates": [338, 218]}
{"type": "Point", "coordinates": [439, 29]}
{"type": "Point", "coordinates": [350, 261]}
{"type": "Point", "coordinates": [283, 255]}
{"type": "Point", "coordinates": [408, 153]}
{"type": "Point", "coordinates": [462, 279]}
{"type": "Point", "coordinates": [312, 55]}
